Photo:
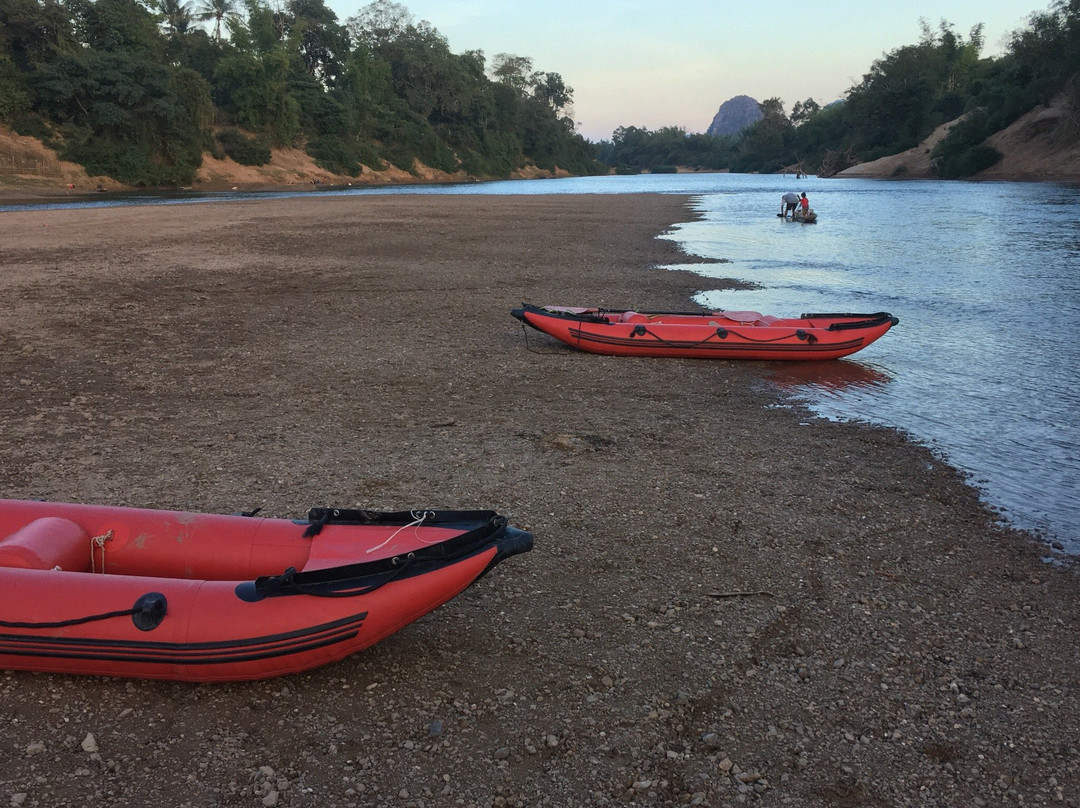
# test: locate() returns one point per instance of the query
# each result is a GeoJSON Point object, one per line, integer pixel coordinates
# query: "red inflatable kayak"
{"type": "Point", "coordinates": [172, 595]}
{"type": "Point", "coordinates": [707, 335]}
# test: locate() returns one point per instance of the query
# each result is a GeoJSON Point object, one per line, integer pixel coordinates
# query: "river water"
{"type": "Point", "coordinates": [984, 366]}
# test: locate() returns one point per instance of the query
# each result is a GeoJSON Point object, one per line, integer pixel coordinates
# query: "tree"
{"type": "Point", "coordinates": [216, 10]}
{"type": "Point", "coordinates": [14, 98]}
{"type": "Point", "coordinates": [762, 144]}
{"type": "Point", "coordinates": [550, 89]}
{"type": "Point", "coordinates": [513, 71]}
{"type": "Point", "coordinates": [116, 26]}
{"type": "Point", "coordinates": [322, 43]}
{"type": "Point", "coordinates": [177, 15]}
{"type": "Point", "coordinates": [379, 23]}
{"type": "Point", "coordinates": [132, 89]}
{"type": "Point", "coordinates": [31, 34]}
{"type": "Point", "coordinates": [140, 122]}
{"type": "Point", "coordinates": [264, 31]}
{"type": "Point", "coordinates": [912, 90]}
{"type": "Point", "coordinates": [803, 110]}
{"type": "Point", "coordinates": [34, 31]}
{"type": "Point", "coordinates": [1043, 58]}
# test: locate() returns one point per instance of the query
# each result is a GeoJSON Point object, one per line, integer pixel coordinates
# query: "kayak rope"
{"type": "Point", "coordinates": [147, 613]}
{"type": "Point", "coordinates": [531, 349]}
{"type": "Point", "coordinates": [641, 331]}
{"type": "Point", "coordinates": [419, 518]}
{"type": "Point", "coordinates": [420, 538]}
{"type": "Point", "coordinates": [99, 541]}
{"type": "Point", "coordinates": [73, 622]}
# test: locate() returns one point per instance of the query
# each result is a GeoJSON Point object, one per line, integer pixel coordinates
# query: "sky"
{"type": "Point", "coordinates": [653, 64]}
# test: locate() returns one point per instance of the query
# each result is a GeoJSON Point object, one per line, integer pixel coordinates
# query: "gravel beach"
{"type": "Point", "coordinates": [730, 601]}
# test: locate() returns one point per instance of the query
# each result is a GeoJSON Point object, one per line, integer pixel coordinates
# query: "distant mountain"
{"type": "Point", "coordinates": [734, 115]}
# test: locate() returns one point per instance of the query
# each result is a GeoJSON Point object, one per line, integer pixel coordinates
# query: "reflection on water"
{"type": "Point", "coordinates": [828, 378]}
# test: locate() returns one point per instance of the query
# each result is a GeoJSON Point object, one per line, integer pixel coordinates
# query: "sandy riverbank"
{"type": "Point", "coordinates": [728, 602]}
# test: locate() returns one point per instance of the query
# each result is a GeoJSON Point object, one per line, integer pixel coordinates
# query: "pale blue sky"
{"type": "Point", "coordinates": [672, 63]}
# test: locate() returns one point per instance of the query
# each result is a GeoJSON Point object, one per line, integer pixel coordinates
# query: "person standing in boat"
{"type": "Point", "coordinates": [790, 202]}
{"type": "Point", "coordinates": [804, 205]}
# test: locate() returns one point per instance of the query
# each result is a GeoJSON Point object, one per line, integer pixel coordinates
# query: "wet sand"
{"type": "Point", "coordinates": [729, 600]}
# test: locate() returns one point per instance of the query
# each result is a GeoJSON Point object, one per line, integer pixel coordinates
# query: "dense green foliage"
{"type": "Point", "coordinates": [137, 89]}
{"type": "Point", "coordinates": [140, 89]}
{"type": "Point", "coordinates": [904, 97]}
{"type": "Point", "coordinates": [247, 151]}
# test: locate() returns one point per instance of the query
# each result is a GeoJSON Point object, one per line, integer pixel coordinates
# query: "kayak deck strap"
{"type": "Point", "coordinates": [319, 518]}
{"type": "Point", "coordinates": [357, 579]}
{"type": "Point", "coordinates": [864, 321]}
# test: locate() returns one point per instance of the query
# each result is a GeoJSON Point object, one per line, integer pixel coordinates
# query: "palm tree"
{"type": "Point", "coordinates": [216, 10]}
{"type": "Point", "coordinates": [177, 15]}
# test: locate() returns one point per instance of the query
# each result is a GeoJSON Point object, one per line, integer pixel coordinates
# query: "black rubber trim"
{"type": "Point", "coordinates": [206, 653]}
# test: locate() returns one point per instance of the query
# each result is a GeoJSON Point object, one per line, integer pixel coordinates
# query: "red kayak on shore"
{"type": "Point", "coordinates": [707, 335]}
{"type": "Point", "coordinates": [171, 595]}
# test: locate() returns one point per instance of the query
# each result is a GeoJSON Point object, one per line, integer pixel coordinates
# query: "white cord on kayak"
{"type": "Point", "coordinates": [426, 515]}
{"type": "Point", "coordinates": [417, 521]}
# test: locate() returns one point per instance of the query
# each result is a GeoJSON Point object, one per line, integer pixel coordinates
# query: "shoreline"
{"type": "Point", "coordinates": [30, 193]}
{"type": "Point", "coordinates": [729, 599]}
{"type": "Point", "coordinates": [31, 196]}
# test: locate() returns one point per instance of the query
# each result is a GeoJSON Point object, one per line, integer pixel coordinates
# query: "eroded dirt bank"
{"type": "Point", "coordinates": [727, 602]}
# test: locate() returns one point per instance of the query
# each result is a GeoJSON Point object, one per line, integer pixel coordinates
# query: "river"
{"type": "Point", "coordinates": [985, 278]}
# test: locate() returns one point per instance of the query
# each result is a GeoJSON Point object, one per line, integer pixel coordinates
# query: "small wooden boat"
{"type": "Point", "coordinates": [707, 335]}
{"type": "Point", "coordinates": [171, 595]}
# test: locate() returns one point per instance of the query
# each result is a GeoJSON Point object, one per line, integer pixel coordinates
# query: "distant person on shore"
{"type": "Point", "coordinates": [790, 202]}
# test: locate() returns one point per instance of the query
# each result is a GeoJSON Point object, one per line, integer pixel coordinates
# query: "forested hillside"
{"type": "Point", "coordinates": [904, 97]}
{"type": "Point", "coordinates": [140, 91]}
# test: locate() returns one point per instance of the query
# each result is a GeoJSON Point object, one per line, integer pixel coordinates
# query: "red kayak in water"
{"type": "Point", "coordinates": [707, 335]}
{"type": "Point", "coordinates": [171, 595]}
